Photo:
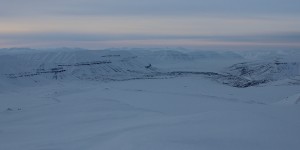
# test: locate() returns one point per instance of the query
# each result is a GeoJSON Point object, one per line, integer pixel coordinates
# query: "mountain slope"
{"type": "Point", "coordinates": [36, 66]}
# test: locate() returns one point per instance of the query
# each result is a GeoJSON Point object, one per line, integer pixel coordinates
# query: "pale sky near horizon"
{"type": "Point", "coordinates": [156, 23]}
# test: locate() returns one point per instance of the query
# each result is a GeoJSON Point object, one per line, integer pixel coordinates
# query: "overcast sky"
{"type": "Point", "coordinates": [139, 23]}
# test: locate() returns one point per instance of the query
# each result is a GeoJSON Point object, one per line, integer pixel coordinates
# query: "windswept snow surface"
{"type": "Point", "coordinates": [80, 110]}
{"type": "Point", "coordinates": [291, 100]}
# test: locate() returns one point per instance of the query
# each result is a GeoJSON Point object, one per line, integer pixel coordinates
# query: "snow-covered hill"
{"type": "Point", "coordinates": [75, 99]}
{"type": "Point", "coordinates": [71, 65]}
{"type": "Point", "coordinates": [270, 70]}
{"type": "Point", "coordinates": [28, 65]}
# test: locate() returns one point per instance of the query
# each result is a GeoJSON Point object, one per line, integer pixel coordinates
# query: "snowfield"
{"type": "Point", "coordinates": [129, 105]}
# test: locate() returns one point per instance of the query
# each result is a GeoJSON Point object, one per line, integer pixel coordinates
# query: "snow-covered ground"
{"type": "Point", "coordinates": [188, 112]}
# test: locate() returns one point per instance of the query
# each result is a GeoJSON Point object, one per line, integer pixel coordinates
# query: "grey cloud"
{"type": "Point", "coordinates": [147, 7]}
{"type": "Point", "coordinates": [279, 37]}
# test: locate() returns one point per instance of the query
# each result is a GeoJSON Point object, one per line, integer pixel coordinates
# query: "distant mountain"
{"type": "Point", "coordinates": [82, 64]}
{"type": "Point", "coordinates": [270, 70]}
{"type": "Point", "coordinates": [66, 64]}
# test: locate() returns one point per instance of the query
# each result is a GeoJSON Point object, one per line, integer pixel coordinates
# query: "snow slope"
{"type": "Point", "coordinates": [178, 113]}
{"type": "Point", "coordinates": [291, 100]}
{"type": "Point", "coordinates": [113, 99]}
